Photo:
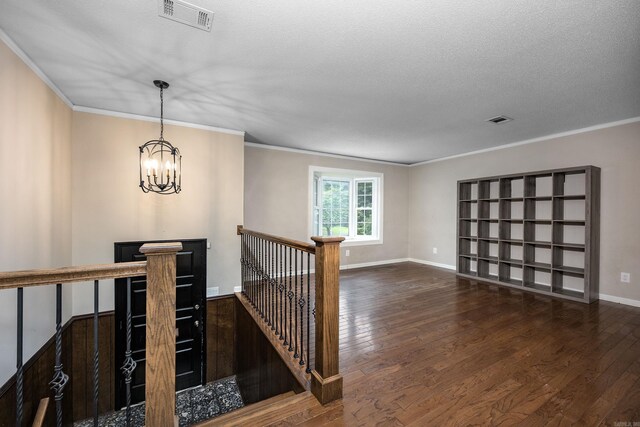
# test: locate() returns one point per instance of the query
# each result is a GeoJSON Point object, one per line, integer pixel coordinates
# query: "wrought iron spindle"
{"type": "Point", "coordinates": [268, 284]}
{"type": "Point", "coordinates": [290, 295]}
{"type": "Point", "coordinates": [19, 368]}
{"type": "Point", "coordinates": [281, 289]}
{"type": "Point", "coordinates": [271, 286]}
{"type": "Point", "coordinates": [129, 364]}
{"type": "Point", "coordinates": [301, 302]}
{"type": "Point", "coordinates": [96, 353]}
{"type": "Point", "coordinates": [308, 312]}
{"type": "Point", "coordinates": [254, 270]}
{"type": "Point", "coordinates": [60, 379]}
{"type": "Point", "coordinates": [276, 278]}
{"type": "Point", "coordinates": [295, 303]}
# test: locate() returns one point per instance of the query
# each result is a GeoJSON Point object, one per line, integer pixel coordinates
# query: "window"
{"type": "Point", "coordinates": [346, 203]}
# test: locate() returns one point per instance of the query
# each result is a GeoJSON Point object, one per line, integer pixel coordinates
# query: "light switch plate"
{"type": "Point", "coordinates": [212, 292]}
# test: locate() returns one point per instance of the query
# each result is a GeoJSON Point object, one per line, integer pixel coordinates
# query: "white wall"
{"type": "Point", "coordinates": [35, 200]}
{"type": "Point", "coordinates": [108, 206]}
{"type": "Point", "coordinates": [276, 197]}
{"type": "Point", "coordinates": [616, 150]}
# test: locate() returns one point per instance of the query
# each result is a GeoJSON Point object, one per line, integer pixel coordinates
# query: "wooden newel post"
{"type": "Point", "coordinates": [160, 372]}
{"type": "Point", "coordinates": [326, 381]}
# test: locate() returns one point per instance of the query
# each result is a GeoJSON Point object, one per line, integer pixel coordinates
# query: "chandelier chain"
{"type": "Point", "coordinates": [161, 113]}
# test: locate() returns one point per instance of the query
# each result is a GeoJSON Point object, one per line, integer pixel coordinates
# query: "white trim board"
{"type": "Point", "coordinates": [372, 264]}
{"type": "Point", "coordinates": [432, 264]}
{"type": "Point", "coordinates": [620, 300]}
{"type": "Point", "coordinates": [131, 116]}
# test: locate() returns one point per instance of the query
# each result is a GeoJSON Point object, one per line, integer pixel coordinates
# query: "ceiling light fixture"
{"type": "Point", "coordinates": [160, 162]}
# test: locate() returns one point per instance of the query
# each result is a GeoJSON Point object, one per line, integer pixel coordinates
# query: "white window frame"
{"type": "Point", "coordinates": [317, 173]}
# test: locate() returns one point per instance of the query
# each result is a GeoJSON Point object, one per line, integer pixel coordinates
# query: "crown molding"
{"type": "Point", "coordinates": [32, 65]}
{"type": "Point", "coordinates": [321, 154]}
{"type": "Point", "coordinates": [534, 140]}
{"type": "Point", "coordinates": [91, 110]}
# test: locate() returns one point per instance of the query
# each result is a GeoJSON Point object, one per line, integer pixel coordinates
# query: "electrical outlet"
{"type": "Point", "coordinates": [435, 250]}
{"type": "Point", "coordinates": [346, 252]}
{"type": "Point", "coordinates": [625, 277]}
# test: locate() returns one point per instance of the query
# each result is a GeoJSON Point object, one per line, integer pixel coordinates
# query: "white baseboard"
{"type": "Point", "coordinates": [433, 264]}
{"type": "Point", "coordinates": [372, 264]}
{"type": "Point", "coordinates": [620, 300]}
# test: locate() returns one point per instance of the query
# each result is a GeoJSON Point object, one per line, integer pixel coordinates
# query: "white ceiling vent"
{"type": "Point", "coordinates": [185, 13]}
{"type": "Point", "coordinates": [499, 119]}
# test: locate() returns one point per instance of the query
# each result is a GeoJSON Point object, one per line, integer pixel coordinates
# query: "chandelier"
{"type": "Point", "coordinates": [160, 162]}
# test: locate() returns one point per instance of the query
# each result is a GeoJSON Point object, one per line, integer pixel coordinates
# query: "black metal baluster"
{"type": "Point", "coordinates": [290, 295]}
{"type": "Point", "coordinates": [60, 379]}
{"type": "Point", "coordinates": [96, 353]}
{"type": "Point", "coordinates": [253, 271]}
{"type": "Point", "coordinates": [276, 275]}
{"type": "Point", "coordinates": [268, 284]}
{"type": "Point", "coordinates": [281, 289]}
{"type": "Point", "coordinates": [272, 282]}
{"type": "Point", "coordinates": [129, 364]}
{"type": "Point", "coordinates": [295, 303]}
{"type": "Point", "coordinates": [308, 312]}
{"type": "Point", "coordinates": [242, 261]}
{"type": "Point", "coordinates": [19, 368]}
{"type": "Point", "coordinates": [301, 303]}
{"type": "Point", "coordinates": [262, 273]}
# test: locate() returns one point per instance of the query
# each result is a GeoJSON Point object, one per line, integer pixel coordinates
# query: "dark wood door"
{"type": "Point", "coordinates": [191, 272]}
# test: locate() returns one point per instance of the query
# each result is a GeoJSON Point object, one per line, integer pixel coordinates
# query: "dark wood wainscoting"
{"type": "Point", "coordinates": [77, 350]}
{"type": "Point", "coordinates": [260, 372]}
{"type": "Point", "coordinates": [221, 337]}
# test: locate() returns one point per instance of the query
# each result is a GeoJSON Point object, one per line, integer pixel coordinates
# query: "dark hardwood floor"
{"type": "Point", "coordinates": [421, 347]}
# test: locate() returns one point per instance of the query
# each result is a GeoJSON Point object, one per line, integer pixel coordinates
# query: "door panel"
{"type": "Point", "coordinates": [191, 272]}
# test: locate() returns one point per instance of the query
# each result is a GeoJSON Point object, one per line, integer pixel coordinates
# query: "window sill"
{"type": "Point", "coordinates": [361, 242]}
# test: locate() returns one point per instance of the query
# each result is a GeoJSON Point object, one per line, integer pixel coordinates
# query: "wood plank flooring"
{"type": "Point", "coordinates": [421, 347]}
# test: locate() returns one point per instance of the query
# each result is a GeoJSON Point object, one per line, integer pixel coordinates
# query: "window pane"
{"type": "Point", "coordinates": [335, 208]}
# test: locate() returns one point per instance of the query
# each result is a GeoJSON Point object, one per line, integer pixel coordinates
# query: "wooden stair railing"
{"type": "Point", "coordinates": [160, 269]}
{"type": "Point", "coordinates": [274, 276]}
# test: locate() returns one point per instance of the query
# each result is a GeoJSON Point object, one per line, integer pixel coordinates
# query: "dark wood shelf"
{"type": "Point", "coordinates": [573, 246]}
{"type": "Point", "coordinates": [570, 211]}
{"type": "Point", "coordinates": [539, 266]}
{"type": "Point", "coordinates": [538, 286]}
{"type": "Point", "coordinates": [570, 270]}
{"type": "Point", "coordinates": [539, 243]}
{"type": "Point", "coordinates": [511, 261]}
{"type": "Point", "coordinates": [570, 197]}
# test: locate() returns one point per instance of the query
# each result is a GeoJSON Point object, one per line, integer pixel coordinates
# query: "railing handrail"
{"type": "Point", "coordinates": [295, 244]}
{"type": "Point", "coordinates": [160, 272]}
{"type": "Point", "coordinates": [65, 275]}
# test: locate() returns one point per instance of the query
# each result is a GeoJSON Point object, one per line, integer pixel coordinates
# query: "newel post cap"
{"type": "Point", "coordinates": [324, 240]}
{"type": "Point", "coordinates": [160, 248]}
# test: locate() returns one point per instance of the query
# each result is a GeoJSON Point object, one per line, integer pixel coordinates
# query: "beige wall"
{"type": "Point", "coordinates": [276, 197]}
{"type": "Point", "coordinates": [108, 205]}
{"type": "Point", "coordinates": [615, 150]}
{"type": "Point", "coordinates": [35, 199]}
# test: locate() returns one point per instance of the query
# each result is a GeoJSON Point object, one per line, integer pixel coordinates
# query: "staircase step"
{"type": "Point", "coordinates": [264, 412]}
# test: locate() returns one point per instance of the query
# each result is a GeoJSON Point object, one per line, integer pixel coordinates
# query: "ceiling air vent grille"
{"type": "Point", "coordinates": [185, 13]}
{"type": "Point", "coordinates": [499, 119]}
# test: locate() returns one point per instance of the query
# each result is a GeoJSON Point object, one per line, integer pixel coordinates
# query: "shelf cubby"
{"type": "Point", "coordinates": [537, 231]}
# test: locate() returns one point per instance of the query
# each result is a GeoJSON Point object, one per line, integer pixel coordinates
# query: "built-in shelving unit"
{"type": "Point", "coordinates": [537, 231]}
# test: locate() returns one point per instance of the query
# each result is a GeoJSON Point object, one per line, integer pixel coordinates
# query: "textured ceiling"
{"type": "Point", "coordinates": [402, 81]}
